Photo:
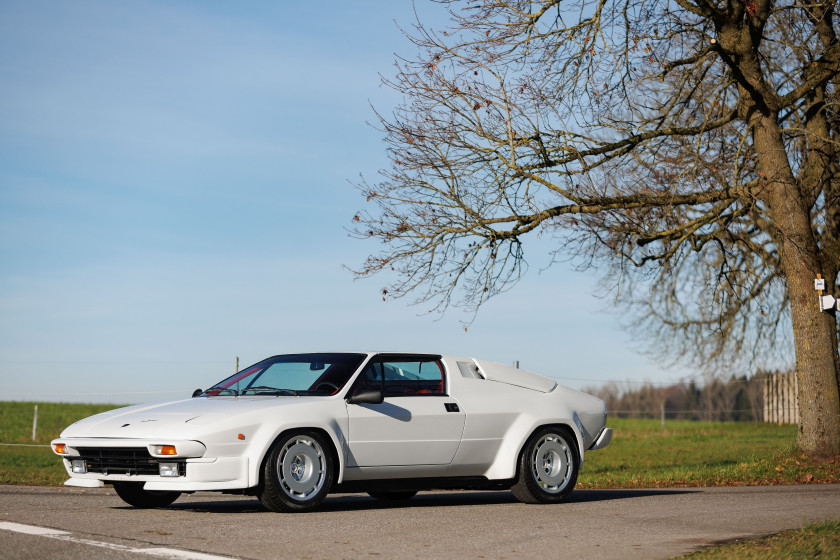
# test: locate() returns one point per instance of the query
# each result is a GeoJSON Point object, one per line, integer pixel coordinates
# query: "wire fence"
{"type": "Point", "coordinates": [27, 424]}
{"type": "Point", "coordinates": [768, 398]}
{"type": "Point", "coordinates": [45, 394]}
{"type": "Point", "coordinates": [563, 380]}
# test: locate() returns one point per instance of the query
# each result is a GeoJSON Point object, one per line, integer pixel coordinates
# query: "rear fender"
{"type": "Point", "coordinates": [506, 462]}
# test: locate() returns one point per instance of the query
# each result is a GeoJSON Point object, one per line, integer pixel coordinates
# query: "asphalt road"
{"type": "Point", "coordinates": [68, 523]}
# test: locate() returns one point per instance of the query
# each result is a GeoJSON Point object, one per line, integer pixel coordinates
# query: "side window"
{"type": "Point", "coordinates": [421, 377]}
{"type": "Point", "coordinates": [404, 377]}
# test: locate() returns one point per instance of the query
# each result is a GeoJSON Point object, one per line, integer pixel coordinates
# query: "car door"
{"type": "Point", "coordinates": [417, 423]}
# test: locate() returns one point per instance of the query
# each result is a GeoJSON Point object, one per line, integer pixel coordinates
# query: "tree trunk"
{"type": "Point", "coordinates": [814, 332]}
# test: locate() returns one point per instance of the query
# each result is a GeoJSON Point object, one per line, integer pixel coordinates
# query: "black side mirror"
{"type": "Point", "coordinates": [367, 397]}
{"type": "Point", "coordinates": [197, 392]}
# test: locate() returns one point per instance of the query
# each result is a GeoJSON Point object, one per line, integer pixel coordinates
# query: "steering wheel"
{"type": "Point", "coordinates": [332, 386]}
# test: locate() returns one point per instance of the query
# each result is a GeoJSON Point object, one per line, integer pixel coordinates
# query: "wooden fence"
{"type": "Point", "coordinates": [780, 398]}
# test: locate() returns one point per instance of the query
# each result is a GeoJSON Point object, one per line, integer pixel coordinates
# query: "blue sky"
{"type": "Point", "coordinates": [175, 192]}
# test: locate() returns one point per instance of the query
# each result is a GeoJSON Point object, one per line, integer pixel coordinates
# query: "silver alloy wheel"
{"type": "Point", "coordinates": [301, 467]}
{"type": "Point", "coordinates": [551, 463]}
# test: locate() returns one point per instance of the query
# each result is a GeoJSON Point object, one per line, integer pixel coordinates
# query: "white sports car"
{"type": "Point", "coordinates": [293, 428]}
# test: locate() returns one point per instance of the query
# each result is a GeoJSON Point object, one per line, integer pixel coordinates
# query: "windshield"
{"type": "Point", "coordinates": [291, 374]}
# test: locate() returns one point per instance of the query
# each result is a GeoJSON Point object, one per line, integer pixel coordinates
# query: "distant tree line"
{"type": "Point", "coordinates": [738, 399]}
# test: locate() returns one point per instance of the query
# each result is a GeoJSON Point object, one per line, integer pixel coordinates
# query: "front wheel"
{"type": "Point", "coordinates": [548, 468]}
{"type": "Point", "coordinates": [133, 494]}
{"type": "Point", "coordinates": [298, 473]}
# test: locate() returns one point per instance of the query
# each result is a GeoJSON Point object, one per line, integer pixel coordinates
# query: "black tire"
{"type": "Point", "coordinates": [393, 495]}
{"type": "Point", "coordinates": [133, 494]}
{"type": "Point", "coordinates": [548, 467]}
{"type": "Point", "coordinates": [298, 472]}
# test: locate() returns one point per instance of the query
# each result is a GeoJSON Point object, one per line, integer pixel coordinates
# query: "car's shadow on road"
{"type": "Point", "coordinates": [362, 502]}
{"type": "Point", "coordinates": [579, 496]}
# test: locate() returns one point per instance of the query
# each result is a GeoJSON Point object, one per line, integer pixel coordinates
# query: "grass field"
{"type": "Point", "coordinates": [641, 455]}
{"type": "Point", "coordinates": [820, 540]}
{"type": "Point", "coordinates": [687, 453]}
{"type": "Point", "coordinates": [33, 462]}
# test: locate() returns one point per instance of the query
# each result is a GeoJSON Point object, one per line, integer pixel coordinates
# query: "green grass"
{"type": "Point", "coordinates": [23, 464]}
{"type": "Point", "coordinates": [820, 540]}
{"type": "Point", "coordinates": [687, 453]}
{"type": "Point", "coordinates": [641, 454]}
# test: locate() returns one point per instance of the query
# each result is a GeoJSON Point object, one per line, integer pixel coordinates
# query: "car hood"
{"type": "Point", "coordinates": [181, 417]}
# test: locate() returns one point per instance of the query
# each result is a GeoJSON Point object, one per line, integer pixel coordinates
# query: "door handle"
{"type": "Point", "coordinates": [451, 407]}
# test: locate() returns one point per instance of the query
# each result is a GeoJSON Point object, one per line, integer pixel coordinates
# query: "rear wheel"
{"type": "Point", "coordinates": [298, 473]}
{"type": "Point", "coordinates": [133, 494]}
{"type": "Point", "coordinates": [393, 495]}
{"type": "Point", "coordinates": [548, 467]}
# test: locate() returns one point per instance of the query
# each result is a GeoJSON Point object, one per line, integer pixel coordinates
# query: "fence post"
{"type": "Point", "coordinates": [35, 423]}
{"type": "Point", "coordinates": [663, 414]}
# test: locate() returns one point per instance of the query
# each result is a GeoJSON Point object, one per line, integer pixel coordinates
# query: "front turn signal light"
{"type": "Point", "coordinates": [60, 448]}
{"type": "Point", "coordinates": [165, 450]}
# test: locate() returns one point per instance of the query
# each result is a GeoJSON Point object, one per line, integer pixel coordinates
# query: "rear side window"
{"type": "Point", "coordinates": [404, 377]}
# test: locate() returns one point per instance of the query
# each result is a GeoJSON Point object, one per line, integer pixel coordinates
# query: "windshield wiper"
{"type": "Point", "coordinates": [272, 390]}
{"type": "Point", "coordinates": [216, 391]}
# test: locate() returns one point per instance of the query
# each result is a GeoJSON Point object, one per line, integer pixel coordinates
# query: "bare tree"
{"type": "Point", "coordinates": [689, 145]}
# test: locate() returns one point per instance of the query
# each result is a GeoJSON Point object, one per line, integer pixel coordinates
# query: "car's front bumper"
{"type": "Point", "coordinates": [195, 472]}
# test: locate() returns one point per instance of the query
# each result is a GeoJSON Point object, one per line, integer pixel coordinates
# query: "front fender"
{"type": "Point", "coordinates": [333, 430]}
